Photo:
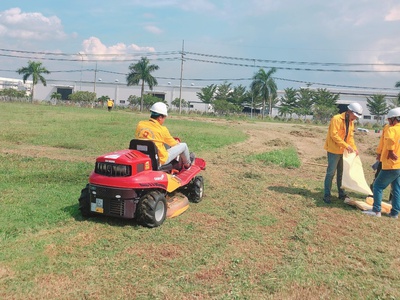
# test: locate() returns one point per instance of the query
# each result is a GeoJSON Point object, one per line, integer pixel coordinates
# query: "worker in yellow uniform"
{"type": "Point", "coordinates": [390, 173]}
{"type": "Point", "coordinates": [110, 104]}
{"type": "Point", "coordinates": [154, 129]}
{"type": "Point", "coordinates": [340, 137]}
{"type": "Point", "coordinates": [377, 166]}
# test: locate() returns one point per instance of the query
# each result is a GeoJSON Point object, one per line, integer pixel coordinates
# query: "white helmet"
{"type": "Point", "coordinates": [356, 109]}
{"type": "Point", "coordinates": [394, 112]}
{"type": "Point", "coordinates": [159, 108]}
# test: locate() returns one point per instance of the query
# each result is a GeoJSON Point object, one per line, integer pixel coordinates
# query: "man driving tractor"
{"type": "Point", "coordinates": [154, 129]}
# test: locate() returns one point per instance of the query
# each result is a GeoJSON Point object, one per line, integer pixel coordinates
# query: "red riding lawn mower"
{"type": "Point", "coordinates": [130, 184]}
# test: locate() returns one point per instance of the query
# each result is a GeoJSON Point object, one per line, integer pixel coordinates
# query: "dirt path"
{"type": "Point", "coordinates": [307, 139]}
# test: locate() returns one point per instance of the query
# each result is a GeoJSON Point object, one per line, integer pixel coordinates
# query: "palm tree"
{"type": "Point", "coordinates": [304, 102]}
{"type": "Point", "coordinates": [252, 99]}
{"type": "Point", "coordinates": [103, 99]}
{"type": "Point", "coordinates": [377, 106]}
{"type": "Point", "coordinates": [177, 102]}
{"type": "Point", "coordinates": [396, 102]}
{"type": "Point", "coordinates": [324, 105]}
{"type": "Point", "coordinates": [288, 102]}
{"type": "Point", "coordinates": [265, 84]}
{"type": "Point", "coordinates": [141, 72]}
{"type": "Point", "coordinates": [34, 69]}
{"type": "Point", "coordinates": [238, 95]}
{"type": "Point", "coordinates": [223, 91]}
{"type": "Point", "coordinates": [56, 96]}
{"type": "Point", "coordinates": [207, 94]}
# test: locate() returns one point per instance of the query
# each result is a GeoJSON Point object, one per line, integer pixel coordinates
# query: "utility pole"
{"type": "Point", "coordinates": [81, 68]}
{"type": "Point", "coordinates": [252, 95]}
{"type": "Point", "coordinates": [180, 86]}
{"type": "Point", "coordinates": [95, 78]}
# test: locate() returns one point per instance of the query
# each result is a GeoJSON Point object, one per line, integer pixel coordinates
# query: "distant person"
{"type": "Point", "coordinates": [390, 173]}
{"type": "Point", "coordinates": [340, 137]}
{"type": "Point", "coordinates": [154, 130]}
{"type": "Point", "coordinates": [110, 104]}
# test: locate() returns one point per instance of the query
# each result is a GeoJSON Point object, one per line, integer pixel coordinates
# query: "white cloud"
{"type": "Point", "coordinates": [93, 45]}
{"type": "Point", "coordinates": [34, 26]}
{"type": "Point", "coordinates": [262, 7]}
{"type": "Point", "coordinates": [394, 14]}
{"type": "Point", "coordinates": [149, 16]}
{"type": "Point", "coordinates": [197, 5]}
{"type": "Point", "coordinates": [153, 29]}
{"type": "Point", "coordinates": [388, 54]}
{"type": "Point", "coordinates": [188, 5]}
{"type": "Point", "coordinates": [384, 55]}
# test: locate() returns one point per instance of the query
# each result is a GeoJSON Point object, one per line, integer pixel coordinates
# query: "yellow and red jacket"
{"type": "Point", "coordinates": [391, 142]}
{"type": "Point", "coordinates": [159, 134]}
{"type": "Point", "coordinates": [335, 142]}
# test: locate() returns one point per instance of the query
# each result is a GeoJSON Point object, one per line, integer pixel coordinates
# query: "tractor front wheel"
{"type": "Point", "coordinates": [84, 202]}
{"type": "Point", "coordinates": [152, 209]}
{"type": "Point", "coordinates": [196, 189]}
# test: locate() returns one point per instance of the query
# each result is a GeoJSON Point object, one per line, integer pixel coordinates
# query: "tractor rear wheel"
{"type": "Point", "coordinates": [152, 209]}
{"type": "Point", "coordinates": [84, 202]}
{"type": "Point", "coordinates": [196, 189]}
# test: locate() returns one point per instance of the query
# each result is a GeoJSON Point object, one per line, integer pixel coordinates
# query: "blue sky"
{"type": "Point", "coordinates": [223, 39]}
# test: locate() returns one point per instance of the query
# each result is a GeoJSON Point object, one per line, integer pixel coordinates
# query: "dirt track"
{"type": "Point", "coordinates": [307, 139]}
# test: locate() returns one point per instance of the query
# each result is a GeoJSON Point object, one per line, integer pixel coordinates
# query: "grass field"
{"type": "Point", "coordinates": [262, 230]}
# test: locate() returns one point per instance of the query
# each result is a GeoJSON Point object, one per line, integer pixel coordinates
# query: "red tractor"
{"type": "Point", "coordinates": [130, 184]}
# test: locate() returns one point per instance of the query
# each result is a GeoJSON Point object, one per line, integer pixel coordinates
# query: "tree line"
{"type": "Point", "coordinates": [225, 98]}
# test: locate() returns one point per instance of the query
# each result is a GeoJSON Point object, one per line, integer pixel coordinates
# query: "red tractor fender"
{"type": "Point", "coordinates": [143, 180]}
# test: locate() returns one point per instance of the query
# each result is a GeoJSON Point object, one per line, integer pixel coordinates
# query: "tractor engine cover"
{"type": "Point", "coordinates": [116, 202]}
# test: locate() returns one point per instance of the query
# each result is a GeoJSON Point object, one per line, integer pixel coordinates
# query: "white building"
{"type": "Point", "coordinates": [17, 84]}
{"type": "Point", "coordinates": [120, 92]}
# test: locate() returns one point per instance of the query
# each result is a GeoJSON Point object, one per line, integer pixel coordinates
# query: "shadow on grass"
{"type": "Point", "coordinates": [315, 197]}
{"type": "Point", "coordinates": [73, 210]}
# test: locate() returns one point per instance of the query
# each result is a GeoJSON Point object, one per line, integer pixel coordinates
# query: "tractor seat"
{"type": "Point", "coordinates": [150, 149]}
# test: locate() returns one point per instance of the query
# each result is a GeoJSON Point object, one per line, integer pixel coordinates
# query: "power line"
{"type": "Point", "coordinates": [292, 62]}
{"type": "Point", "coordinates": [185, 57]}
{"type": "Point", "coordinates": [337, 85]}
{"type": "Point", "coordinates": [294, 69]}
{"type": "Point", "coordinates": [222, 79]}
{"type": "Point", "coordinates": [128, 57]}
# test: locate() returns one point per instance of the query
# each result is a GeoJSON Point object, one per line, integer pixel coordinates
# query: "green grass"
{"type": "Point", "coordinates": [39, 192]}
{"type": "Point", "coordinates": [261, 232]}
{"type": "Point", "coordinates": [34, 191]}
{"type": "Point", "coordinates": [95, 131]}
{"type": "Point", "coordinates": [286, 158]}
{"type": "Point", "coordinates": [42, 233]}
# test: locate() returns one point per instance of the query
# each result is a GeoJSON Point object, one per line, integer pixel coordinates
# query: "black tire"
{"type": "Point", "coordinates": [196, 189]}
{"type": "Point", "coordinates": [152, 209]}
{"type": "Point", "coordinates": [84, 202]}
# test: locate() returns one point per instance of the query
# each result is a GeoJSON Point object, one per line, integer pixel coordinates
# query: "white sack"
{"type": "Point", "coordinates": [353, 174]}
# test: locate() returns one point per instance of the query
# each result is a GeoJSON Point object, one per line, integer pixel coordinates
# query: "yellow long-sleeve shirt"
{"type": "Point", "coordinates": [382, 138]}
{"type": "Point", "coordinates": [391, 142]}
{"type": "Point", "coordinates": [334, 142]}
{"type": "Point", "coordinates": [159, 134]}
